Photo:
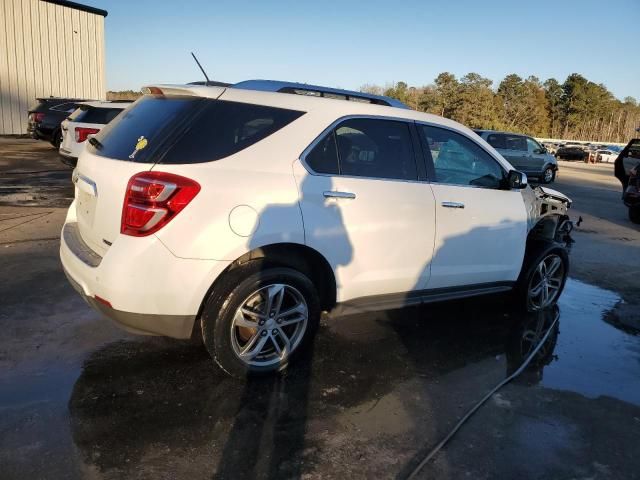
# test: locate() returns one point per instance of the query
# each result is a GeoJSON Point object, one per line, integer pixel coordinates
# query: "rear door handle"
{"type": "Point", "coordinates": [334, 194]}
{"type": "Point", "coordinates": [452, 204]}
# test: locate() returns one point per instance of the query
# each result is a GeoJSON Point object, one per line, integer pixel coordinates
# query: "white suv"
{"type": "Point", "coordinates": [88, 119]}
{"type": "Point", "coordinates": [239, 214]}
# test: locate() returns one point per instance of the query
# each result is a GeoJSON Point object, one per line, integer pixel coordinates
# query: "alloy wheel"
{"type": "Point", "coordinates": [548, 175]}
{"type": "Point", "coordinates": [546, 282]}
{"type": "Point", "coordinates": [269, 325]}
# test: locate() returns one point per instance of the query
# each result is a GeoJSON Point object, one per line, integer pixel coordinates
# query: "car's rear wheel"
{"type": "Point", "coordinates": [549, 175]}
{"type": "Point", "coordinates": [543, 277]}
{"type": "Point", "coordinates": [57, 139]}
{"type": "Point", "coordinates": [634, 214]}
{"type": "Point", "coordinates": [260, 318]}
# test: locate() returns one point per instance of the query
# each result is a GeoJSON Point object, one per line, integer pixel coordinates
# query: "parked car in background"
{"type": "Point", "coordinates": [524, 153]}
{"type": "Point", "coordinates": [606, 156]}
{"type": "Point", "coordinates": [239, 214]}
{"type": "Point", "coordinates": [571, 152]}
{"type": "Point", "coordinates": [627, 170]}
{"type": "Point", "coordinates": [87, 119]}
{"type": "Point", "coordinates": [551, 147]}
{"type": "Point", "coordinates": [47, 115]}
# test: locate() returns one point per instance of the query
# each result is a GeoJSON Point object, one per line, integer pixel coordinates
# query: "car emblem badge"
{"type": "Point", "coordinates": [142, 143]}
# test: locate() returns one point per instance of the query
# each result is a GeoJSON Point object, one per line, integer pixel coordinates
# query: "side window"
{"type": "Point", "coordinates": [533, 146]}
{"type": "Point", "coordinates": [324, 156]}
{"type": "Point", "coordinates": [375, 148]}
{"type": "Point", "coordinates": [497, 140]}
{"type": "Point", "coordinates": [460, 161]}
{"type": "Point", "coordinates": [226, 128]}
{"type": "Point", "coordinates": [515, 142]}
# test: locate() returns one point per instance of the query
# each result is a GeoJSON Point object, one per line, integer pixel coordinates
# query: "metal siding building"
{"type": "Point", "coordinates": [47, 48]}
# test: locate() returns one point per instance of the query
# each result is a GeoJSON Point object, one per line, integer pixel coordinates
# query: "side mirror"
{"type": "Point", "coordinates": [516, 180]}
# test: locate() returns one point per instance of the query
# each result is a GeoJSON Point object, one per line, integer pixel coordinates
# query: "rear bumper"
{"type": "Point", "coordinates": [148, 290]}
{"type": "Point", "coordinates": [177, 326]}
{"type": "Point", "coordinates": [67, 157]}
{"type": "Point", "coordinates": [39, 132]}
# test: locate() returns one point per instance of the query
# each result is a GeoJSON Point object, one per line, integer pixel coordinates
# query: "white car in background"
{"type": "Point", "coordinates": [606, 156]}
{"type": "Point", "coordinates": [239, 214]}
{"type": "Point", "coordinates": [87, 119]}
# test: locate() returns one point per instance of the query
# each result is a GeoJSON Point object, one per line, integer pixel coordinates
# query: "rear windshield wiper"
{"type": "Point", "coordinates": [96, 143]}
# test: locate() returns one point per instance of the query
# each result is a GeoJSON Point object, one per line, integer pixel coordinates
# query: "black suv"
{"type": "Point", "coordinates": [571, 152]}
{"type": "Point", "coordinates": [627, 170]}
{"type": "Point", "coordinates": [45, 118]}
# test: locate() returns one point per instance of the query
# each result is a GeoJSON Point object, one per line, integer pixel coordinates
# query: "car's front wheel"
{"type": "Point", "coordinates": [543, 276]}
{"type": "Point", "coordinates": [549, 175]}
{"type": "Point", "coordinates": [634, 214]}
{"type": "Point", "coordinates": [260, 318]}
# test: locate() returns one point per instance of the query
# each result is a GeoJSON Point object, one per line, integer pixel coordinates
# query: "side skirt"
{"type": "Point", "coordinates": [392, 301]}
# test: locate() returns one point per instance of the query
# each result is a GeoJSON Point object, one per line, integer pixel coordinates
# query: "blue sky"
{"type": "Point", "coordinates": [347, 44]}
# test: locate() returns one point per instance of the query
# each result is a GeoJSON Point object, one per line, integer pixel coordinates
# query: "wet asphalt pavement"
{"type": "Point", "coordinates": [79, 398]}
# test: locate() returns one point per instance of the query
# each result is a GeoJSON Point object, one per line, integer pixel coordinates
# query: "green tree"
{"type": "Point", "coordinates": [477, 106]}
{"type": "Point", "coordinates": [577, 109]}
{"type": "Point", "coordinates": [555, 106]}
{"type": "Point", "coordinates": [447, 94]}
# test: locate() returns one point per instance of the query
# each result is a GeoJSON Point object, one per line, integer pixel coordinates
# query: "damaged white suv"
{"type": "Point", "coordinates": [240, 213]}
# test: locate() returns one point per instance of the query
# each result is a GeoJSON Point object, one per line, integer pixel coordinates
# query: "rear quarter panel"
{"type": "Point", "coordinates": [254, 191]}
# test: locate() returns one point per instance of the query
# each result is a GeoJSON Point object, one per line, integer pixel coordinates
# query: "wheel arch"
{"type": "Point", "coordinates": [549, 228]}
{"type": "Point", "coordinates": [293, 255]}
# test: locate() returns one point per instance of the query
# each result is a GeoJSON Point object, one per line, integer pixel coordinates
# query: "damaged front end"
{"type": "Point", "coordinates": [547, 215]}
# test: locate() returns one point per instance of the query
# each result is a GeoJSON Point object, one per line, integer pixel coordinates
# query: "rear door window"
{"type": "Point", "coordinates": [376, 149]}
{"type": "Point", "coordinates": [515, 142]}
{"type": "Point", "coordinates": [497, 141]}
{"type": "Point", "coordinates": [323, 158]}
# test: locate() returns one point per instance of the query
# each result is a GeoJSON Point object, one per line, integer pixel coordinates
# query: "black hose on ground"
{"type": "Point", "coordinates": [473, 410]}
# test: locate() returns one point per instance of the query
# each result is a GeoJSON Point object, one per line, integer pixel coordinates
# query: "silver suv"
{"type": "Point", "coordinates": [524, 153]}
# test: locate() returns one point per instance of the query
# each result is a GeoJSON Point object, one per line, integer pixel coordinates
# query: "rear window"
{"type": "Point", "coordinates": [88, 114]}
{"type": "Point", "coordinates": [183, 129]}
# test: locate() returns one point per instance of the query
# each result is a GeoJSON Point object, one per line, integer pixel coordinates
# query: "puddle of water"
{"type": "Point", "coordinates": [593, 357]}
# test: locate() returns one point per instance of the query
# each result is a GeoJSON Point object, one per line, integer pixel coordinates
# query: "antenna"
{"type": "Point", "coordinates": [202, 69]}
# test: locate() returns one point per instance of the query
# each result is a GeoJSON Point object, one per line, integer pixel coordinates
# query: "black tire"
{"type": "Point", "coordinates": [634, 214]}
{"type": "Point", "coordinates": [228, 296]}
{"type": "Point", "coordinates": [536, 252]}
{"type": "Point", "coordinates": [550, 174]}
{"type": "Point", "coordinates": [57, 139]}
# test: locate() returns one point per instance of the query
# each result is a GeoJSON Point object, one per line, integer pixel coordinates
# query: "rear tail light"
{"type": "Point", "coordinates": [152, 91]}
{"type": "Point", "coordinates": [82, 133]}
{"type": "Point", "coordinates": [153, 199]}
{"type": "Point", "coordinates": [37, 117]}
{"type": "Point", "coordinates": [106, 303]}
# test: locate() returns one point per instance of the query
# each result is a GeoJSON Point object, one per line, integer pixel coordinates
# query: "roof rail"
{"type": "Point", "coordinates": [317, 91]}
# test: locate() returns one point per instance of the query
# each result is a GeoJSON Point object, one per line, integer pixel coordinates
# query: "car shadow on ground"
{"type": "Point", "coordinates": [154, 397]}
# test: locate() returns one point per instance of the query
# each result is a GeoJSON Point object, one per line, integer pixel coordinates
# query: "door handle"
{"type": "Point", "coordinates": [453, 204]}
{"type": "Point", "coordinates": [334, 194]}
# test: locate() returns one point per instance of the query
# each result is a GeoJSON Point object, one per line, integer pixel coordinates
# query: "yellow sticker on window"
{"type": "Point", "coordinates": [142, 143]}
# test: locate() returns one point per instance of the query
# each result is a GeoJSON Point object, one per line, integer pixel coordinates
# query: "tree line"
{"type": "Point", "coordinates": [577, 109]}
